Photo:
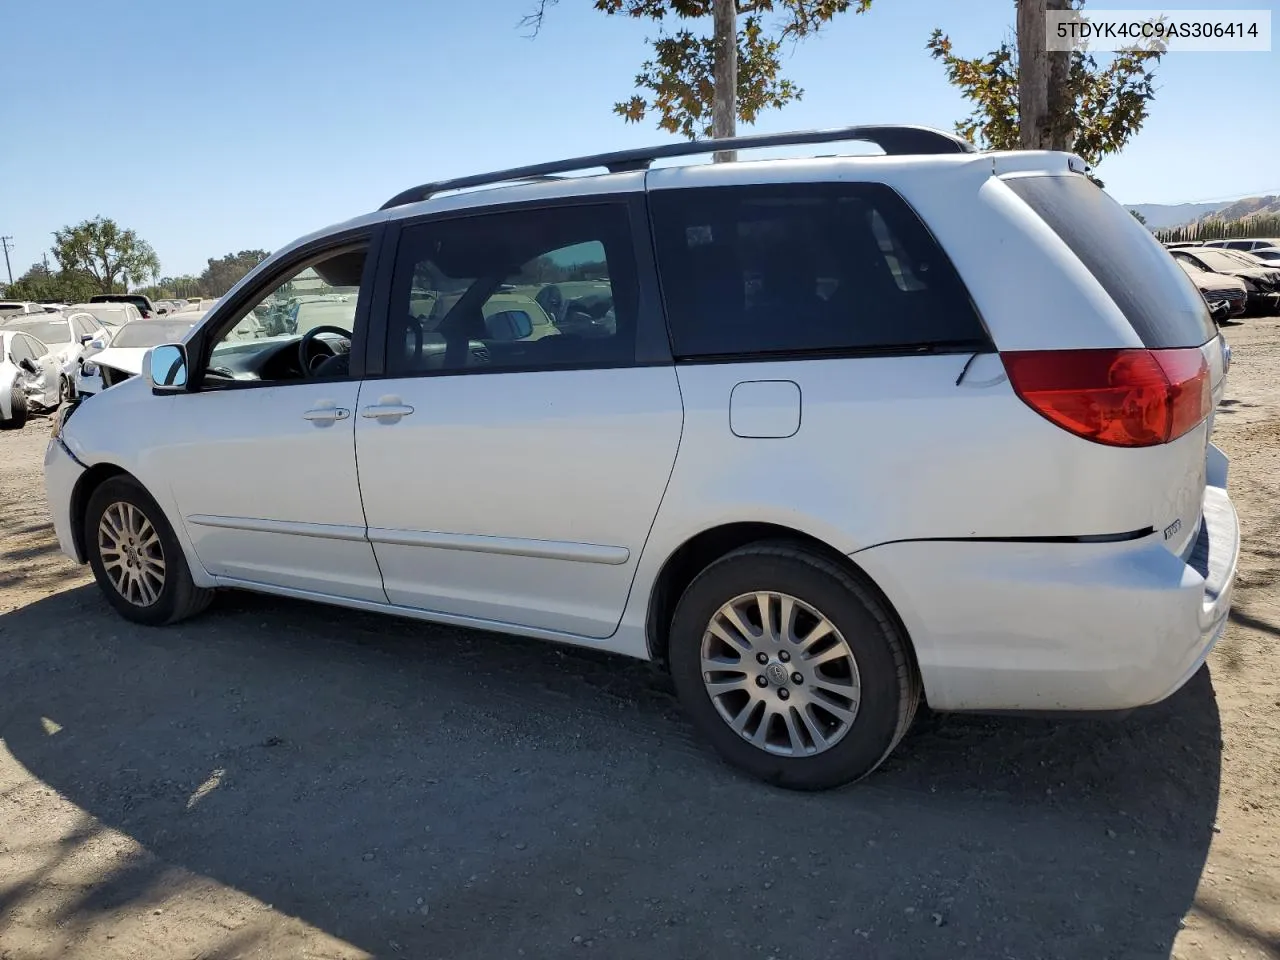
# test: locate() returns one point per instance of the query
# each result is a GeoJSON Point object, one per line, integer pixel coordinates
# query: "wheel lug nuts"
{"type": "Point", "coordinates": [783, 694]}
{"type": "Point", "coordinates": [762, 657]}
{"type": "Point", "coordinates": [784, 656]}
{"type": "Point", "coordinates": [796, 678]}
{"type": "Point", "coordinates": [761, 682]}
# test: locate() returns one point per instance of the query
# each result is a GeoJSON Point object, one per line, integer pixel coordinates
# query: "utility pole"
{"type": "Point", "coordinates": [6, 242]}
{"type": "Point", "coordinates": [724, 102]}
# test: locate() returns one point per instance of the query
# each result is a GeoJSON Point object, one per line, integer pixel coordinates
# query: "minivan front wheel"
{"type": "Point", "coordinates": [792, 667]}
{"type": "Point", "coordinates": [136, 558]}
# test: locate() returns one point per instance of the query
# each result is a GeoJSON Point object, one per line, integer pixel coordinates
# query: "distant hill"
{"type": "Point", "coordinates": [1250, 206]}
{"type": "Point", "coordinates": [1162, 215]}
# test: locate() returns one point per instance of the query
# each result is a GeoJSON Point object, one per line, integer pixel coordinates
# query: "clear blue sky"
{"type": "Point", "coordinates": [214, 127]}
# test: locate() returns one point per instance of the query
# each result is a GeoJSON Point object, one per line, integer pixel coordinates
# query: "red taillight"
{"type": "Point", "coordinates": [1123, 398]}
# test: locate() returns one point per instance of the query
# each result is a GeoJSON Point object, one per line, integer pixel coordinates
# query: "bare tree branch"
{"type": "Point", "coordinates": [532, 21]}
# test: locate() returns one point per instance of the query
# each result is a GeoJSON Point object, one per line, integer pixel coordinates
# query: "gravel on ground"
{"type": "Point", "coordinates": [279, 780]}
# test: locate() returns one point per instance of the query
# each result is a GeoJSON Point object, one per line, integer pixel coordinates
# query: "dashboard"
{"type": "Point", "coordinates": [274, 358]}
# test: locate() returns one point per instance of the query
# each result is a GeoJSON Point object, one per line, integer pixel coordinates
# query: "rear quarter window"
{"type": "Point", "coordinates": [1160, 302]}
{"type": "Point", "coordinates": [805, 268]}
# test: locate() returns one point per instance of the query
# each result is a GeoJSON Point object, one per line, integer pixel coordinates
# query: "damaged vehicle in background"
{"type": "Point", "coordinates": [1262, 284]}
{"type": "Point", "coordinates": [1216, 288]}
{"type": "Point", "coordinates": [29, 377]}
{"type": "Point", "coordinates": [123, 358]}
{"type": "Point", "coordinates": [69, 340]}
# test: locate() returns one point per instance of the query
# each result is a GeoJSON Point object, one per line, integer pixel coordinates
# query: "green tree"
{"type": "Point", "coordinates": [1100, 110]}
{"type": "Point", "coordinates": [688, 84]}
{"type": "Point", "coordinates": [100, 249]}
{"type": "Point", "coordinates": [223, 273]}
{"type": "Point", "coordinates": [41, 283]}
{"type": "Point", "coordinates": [169, 287]}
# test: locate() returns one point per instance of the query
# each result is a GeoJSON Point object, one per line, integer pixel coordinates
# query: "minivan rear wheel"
{"type": "Point", "coordinates": [792, 667]}
{"type": "Point", "coordinates": [136, 558]}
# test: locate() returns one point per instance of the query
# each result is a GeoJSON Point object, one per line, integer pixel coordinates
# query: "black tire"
{"type": "Point", "coordinates": [18, 408]}
{"type": "Point", "coordinates": [178, 597]}
{"type": "Point", "coordinates": [890, 687]}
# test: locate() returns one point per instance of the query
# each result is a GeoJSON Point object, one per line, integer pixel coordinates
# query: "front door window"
{"type": "Point", "coordinates": [299, 329]}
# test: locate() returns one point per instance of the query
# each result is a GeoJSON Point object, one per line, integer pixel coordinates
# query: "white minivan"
{"type": "Point", "coordinates": [822, 435]}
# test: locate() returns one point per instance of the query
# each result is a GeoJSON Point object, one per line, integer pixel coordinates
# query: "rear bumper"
{"type": "Point", "coordinates": [1062, 626]}
{"type": "Point", "coordinates": [61, 473]}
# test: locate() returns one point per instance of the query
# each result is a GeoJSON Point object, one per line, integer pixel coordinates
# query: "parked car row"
{"type": "Point", "coordinates": [9, 308]}
{"type": "Point", "coordinates": [55, 351]}
{"type": "Point", "coordinates": [1223, 270]}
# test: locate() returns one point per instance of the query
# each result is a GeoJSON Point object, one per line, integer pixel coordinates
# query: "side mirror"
{"type": "Point", "coordinates": [165, 368]}
{"type": "Point", "coordinates": [509, 325]}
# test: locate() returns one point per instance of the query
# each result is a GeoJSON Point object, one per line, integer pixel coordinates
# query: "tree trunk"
{"type": "Point", "coordinates": [1061, 105]}
{"type": "Point", "coordinates": [1033, 75]}
{"type": "Point", "coordinates": [724, 104]}
{"type": "Point", "coordinates": [1046, 108]}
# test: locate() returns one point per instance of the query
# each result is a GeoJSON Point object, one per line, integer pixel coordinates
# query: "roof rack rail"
{"type": "Point", "coordinates": [894, 140]}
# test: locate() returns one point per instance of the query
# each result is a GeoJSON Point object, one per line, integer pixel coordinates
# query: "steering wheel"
{"type": "Point", "coordinates": [305, 343]}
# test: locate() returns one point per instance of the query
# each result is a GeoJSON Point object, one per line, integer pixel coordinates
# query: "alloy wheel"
{"type": "Point", "coordinates": [131, 553]}
{"type": "Point", "coordinates": [780, 674]}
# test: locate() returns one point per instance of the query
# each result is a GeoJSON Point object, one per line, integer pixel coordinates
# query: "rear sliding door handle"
{"type": "Point", "coordinates": [323, 415]}
{"type": "Point", "coordinates": [386, 410]}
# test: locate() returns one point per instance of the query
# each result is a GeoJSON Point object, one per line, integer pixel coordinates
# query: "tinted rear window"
{"type": "Point", "coordinates": [796, 268]}
{"type": "Point", "coordinates": [1158, 299]}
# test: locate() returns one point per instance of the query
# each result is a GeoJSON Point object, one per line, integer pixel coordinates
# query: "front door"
{"type": "Point", "coordinates": [513, 459]}
{"type": "Point", "coordinates": [262, 454]}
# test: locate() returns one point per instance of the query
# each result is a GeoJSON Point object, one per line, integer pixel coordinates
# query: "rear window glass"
{"type": "Point", "coordinates": [46, 331]}
{"type": "Point", "coordinates": [1158, 299]}
{"type": "Point", "coordinates": [796, 268]}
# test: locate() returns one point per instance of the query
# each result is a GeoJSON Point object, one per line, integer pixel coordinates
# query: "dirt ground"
{"type": "Point", "coordinates": [277, 780]}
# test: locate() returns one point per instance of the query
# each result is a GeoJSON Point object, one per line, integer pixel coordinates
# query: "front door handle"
{"type": "Point", "coordinates": [323, 415]}
{"type": "Point", "coordinates": [388, 409]}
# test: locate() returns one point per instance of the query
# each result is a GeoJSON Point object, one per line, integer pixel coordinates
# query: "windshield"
{"type": "Point", "coordinates": [1249, 259]}
{"type": "Point", "coordinates": [339, 312]}
{"type": "Point", "coordinates": [47, 331]}
{"type": "Point", "coordinates": [1221, 260]}
{"type": "Point", "coordinates": [150, 333]}
{"type": "Point", "coordinates": [111, 316]}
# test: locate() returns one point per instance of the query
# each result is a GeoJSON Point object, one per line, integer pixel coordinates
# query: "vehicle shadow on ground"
{"type": "Point", "coordinates": [420, 791]}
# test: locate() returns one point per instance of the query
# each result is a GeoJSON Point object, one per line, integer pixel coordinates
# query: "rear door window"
{"type": "Point", "coordinates": [829, 269]}
{"type": "Point", "coordinates": [526, 289]}
{"type": "Point", "coordinates": [19, 350]}
{"type": "Point", "coordinates": [1158, 299]}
